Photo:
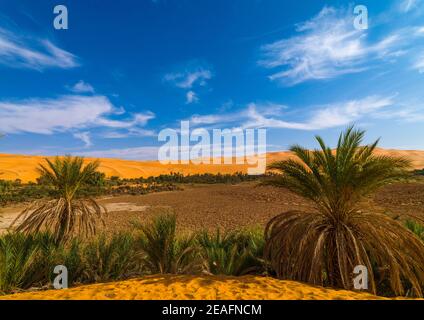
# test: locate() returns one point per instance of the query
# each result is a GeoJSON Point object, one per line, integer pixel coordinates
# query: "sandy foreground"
{"type": "Point", "coordinates": [24, 167]}
{"type": "Point", "coordinates": [178, 287]}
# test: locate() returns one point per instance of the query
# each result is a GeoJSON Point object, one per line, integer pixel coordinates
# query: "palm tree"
{"type": "Point", "coordinates": [67, 214]}
{"type": "Point", "coordinates": [323, 246]}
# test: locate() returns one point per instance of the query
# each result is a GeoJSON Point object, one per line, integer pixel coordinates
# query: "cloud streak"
{"type": "Point", "coordinates": [408, 5]}
{"type": "Point", "coordinates": [38, 54]}
{"type": "Point", "coordinates": [188, 78]}
{"type": "Point", "coordinates": [82, 87]}
{"type": "Point", "coordinates": [191, 97]}
{"type": "Point", "coordinates": [66, 113]}
{"type": "Point", "coordinates": [325, 47]}
{"type": "Point", "coordinates": [318, 117]}
{"type": "Point", "coordinates": [84, 137]}
{"type": "Point", "coordinates": [194, 76]}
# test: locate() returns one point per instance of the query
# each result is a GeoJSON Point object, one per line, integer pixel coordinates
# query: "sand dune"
{"type": "Point", "coordinates": [24, 167]}
{"type": "Point", "coordinates": [178, 287]}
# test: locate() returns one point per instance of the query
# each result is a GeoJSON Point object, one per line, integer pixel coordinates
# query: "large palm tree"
{"type": "Point", "coordinates": [68, 214]}
{"type": "Point", "coordinates": [323, 246]}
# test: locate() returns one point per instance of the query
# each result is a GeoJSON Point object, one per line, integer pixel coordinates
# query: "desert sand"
{"type": "Point", "coordinates": [179, 287]}
{"type": "Point", "coordinates": [24, 167]}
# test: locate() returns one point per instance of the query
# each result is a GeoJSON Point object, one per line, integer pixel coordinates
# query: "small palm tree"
{"type": "Point", "coordinates": [68, 214]}
{"type": "Point", "coordinates": [323, 247]}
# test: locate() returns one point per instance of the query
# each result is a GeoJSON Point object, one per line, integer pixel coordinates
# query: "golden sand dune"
{"type": "Point", "coordinates": [23, 167]}
{"type": "Point", "coordinates": [174, 287]}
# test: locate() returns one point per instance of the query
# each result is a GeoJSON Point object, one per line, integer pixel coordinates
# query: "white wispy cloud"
{"type": "Point", "coordinates": [69, 113]}
{"type": "Point", "coordinates": [193, 77]}
{"type": "Point", "coordinates": [323, 117]}
{"type": "Point", "coordinates": [191, 97]}
{"type": "Point", "coordinates": [408, 5]}
{"type": "Point", "coordinates": [326, 46]}
{"type": "Point", "coordinates": [188, 78]}
{"type": "Point", "coordinates": [131, 132]}
{"type": "Point", "coordinates": [84, 137]}
{"type": "Point", "coordinates": [135, 153]}
{"type": "Point", "coordinates": [239, 116]}
{"type": "Point", "coordinates": [23, 52]}
{"type": "Point", "coordinates": [419, 64]}
{"type": "Point", "coordinates": [82, 87]}
{"type": "Point", "coordinates": [316, 117]}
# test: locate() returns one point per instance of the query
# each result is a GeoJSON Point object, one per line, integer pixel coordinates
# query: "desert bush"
{"type": "Point", "coordinates": [14, 192]}
{"type": "Point", "coordinates": [26, 260]}
{"type": "Point", "coordinates": [323, 246]}
{"type": "Point", "coordinates": [204, 178]}
{"type": "Point", "coordinates": [419, 172]}
{"type": "Point", "coordinates": [233, 253]}
{"type": "Point", "coordinates": [67, 214]}
{"type": "Point", "coordinates": [416, 228]}
{"type": "Point", "coordinates": [164, 252]}
{"type": "Point", "coordinates": [141, 189]}
{"type": "Point", "coordinates": [106, 259]}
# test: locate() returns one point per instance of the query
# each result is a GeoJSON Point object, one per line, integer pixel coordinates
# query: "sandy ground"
{"type": "Point", "coordinates": [23, 167]}
{"type": "Point", "coordinates": [178, 287]}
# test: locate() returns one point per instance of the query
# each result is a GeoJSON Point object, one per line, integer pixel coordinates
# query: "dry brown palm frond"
{"type": "Point", "coordinates": [310, 247]}
{"type": "Point", "coordinates": [79, 219]}
{"type": "Point", "coordinates": [67, 215]}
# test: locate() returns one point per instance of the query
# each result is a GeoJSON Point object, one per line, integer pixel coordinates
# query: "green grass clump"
{"type": "Point", "coordinates": [110, 259]}
{"type": "Point", "coordinates": [26, 260]}
{"type": "Point", "coordinates": [416, 228]}
{"type": "Point", "coordinates": [163, 252]}
{"type": "Point", "coordinates": [233, 253]}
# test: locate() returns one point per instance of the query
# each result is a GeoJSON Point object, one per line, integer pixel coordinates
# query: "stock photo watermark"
{"type": "Point", "coordinates": [360, 282]}
{"type": "Point", "coordinates": [360, 21]}
{"type": "Point", "coordinates": [60, 21]}
{"type": "Point", "coordinates": [61, 280]}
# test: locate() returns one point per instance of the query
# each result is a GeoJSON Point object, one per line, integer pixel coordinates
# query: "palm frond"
{"type": "Point", "coordinates": [67, 215]}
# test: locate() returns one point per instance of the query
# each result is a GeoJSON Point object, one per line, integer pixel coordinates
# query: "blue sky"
{"type": "Point", "coordinates": [124, 70]}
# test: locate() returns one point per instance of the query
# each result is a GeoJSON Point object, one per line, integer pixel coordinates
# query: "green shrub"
{"type": "Point", "coordinates": [206, 178]}
{"type": "Point", "coordinates": [416, 228]}
{"type": "Point", "coordinates": [419, 172]}
{"type": "Point", "coordinates": [162, 251]}
{"type": "Point", "coordinates": [25, 261]}
{"type": "Point", "coordinates": [110, 259]}
{"type": "Point", "coordinates": [233, 253]}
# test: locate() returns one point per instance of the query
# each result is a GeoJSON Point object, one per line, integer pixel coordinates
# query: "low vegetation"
{"type": "Point", "coordinates": [416, 227]}
{"type": "Point", "coordinates": [27, 261]}
{"type": "Point", "coordinates": [100, 185]}
{"type": "Point", "coordinates": [205, 178]}
{"type": "Point", "coordinates": [233, 253]}
{"type": "Point", "coordinates": [419, 172]}
{"type": "Point", "coordinates": [162, 251]}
